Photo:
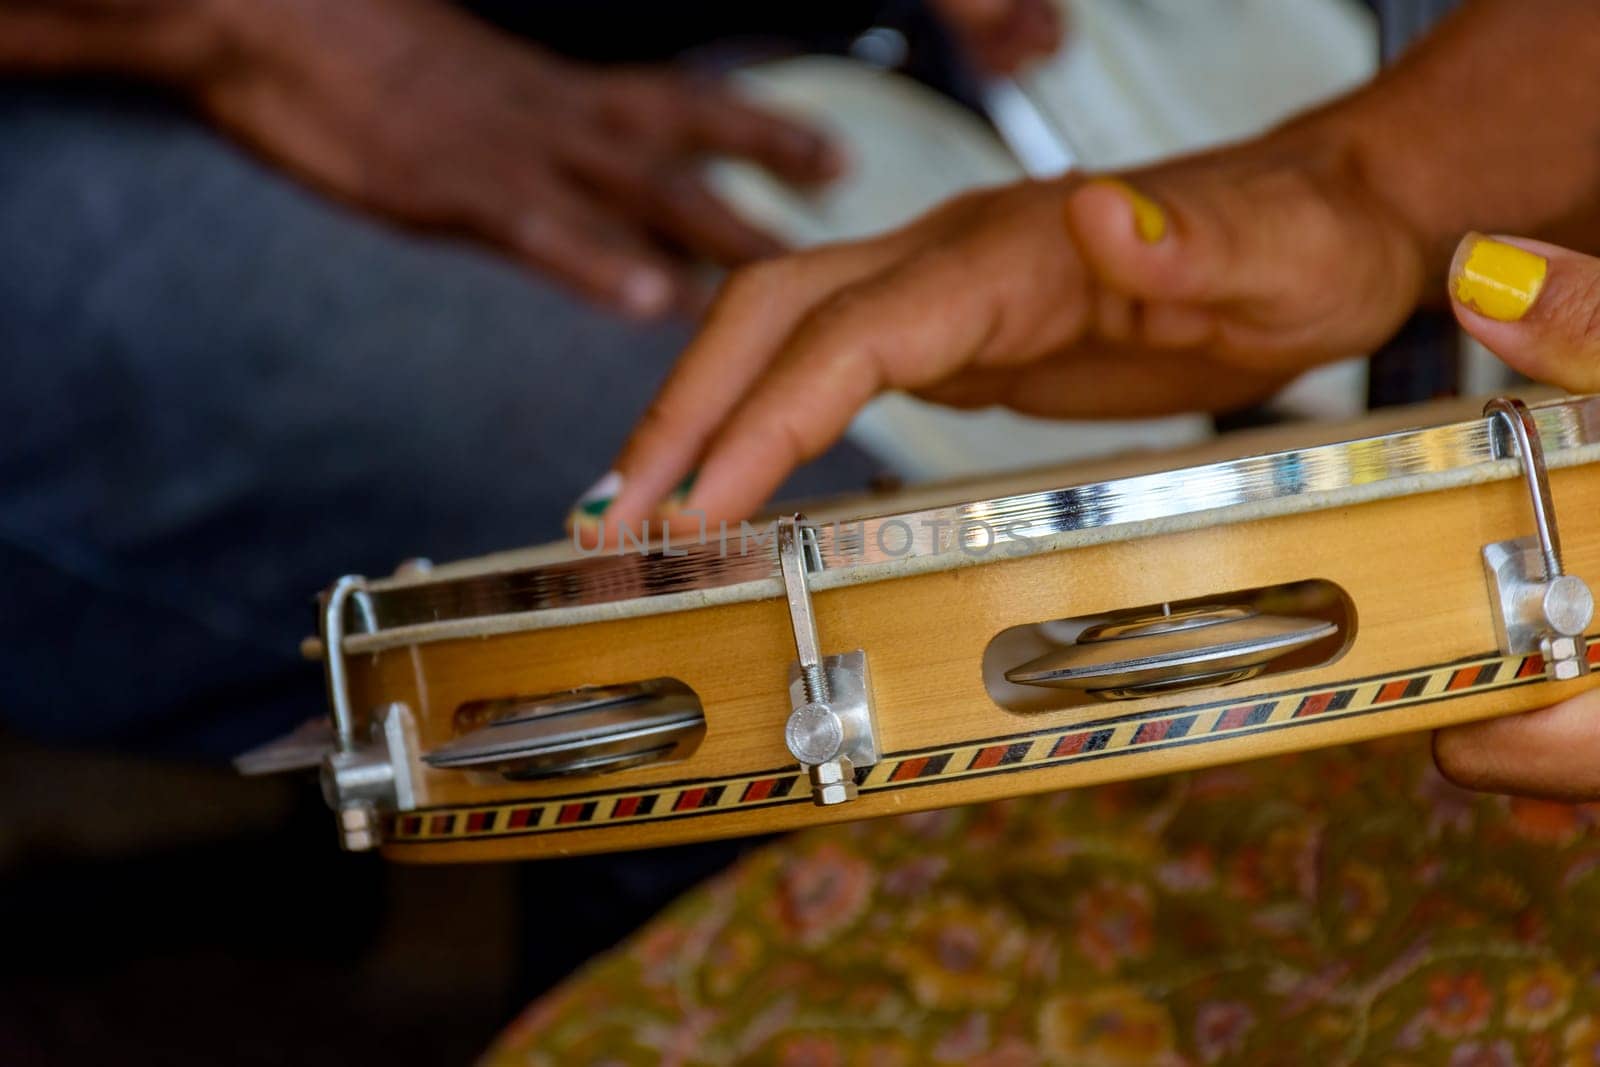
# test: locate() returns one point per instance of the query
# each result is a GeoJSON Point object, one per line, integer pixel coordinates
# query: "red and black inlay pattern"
{"type": "Point", "coordinates": [698, 797]}
{"type": "Point", "coordinates": [1080, 741]}
{"type": "Point", "coordinates": [1318, 703]}
{"type": "Point", "coordinates": [1104, 739]}
{"type": "Point", "coordinates": [768, 789]}
{"type": "Point", "coordinates": [920, 767]}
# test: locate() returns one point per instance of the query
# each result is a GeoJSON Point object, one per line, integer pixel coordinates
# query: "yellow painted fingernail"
{"type": "Point", "coordinates": [1497, 280]}
{"type": "Point", "coordinates": [1149, 221]}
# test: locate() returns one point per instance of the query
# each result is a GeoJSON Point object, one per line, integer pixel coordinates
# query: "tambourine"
{"type": "Point", "coordinates": [890, 654]}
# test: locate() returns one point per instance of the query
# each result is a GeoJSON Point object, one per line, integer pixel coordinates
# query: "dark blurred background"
{"type": "Point", "coordinates": [168, 913]}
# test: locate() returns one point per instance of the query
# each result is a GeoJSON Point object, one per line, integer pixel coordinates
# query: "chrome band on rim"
{"type": "Point", "coordinates": [857, 550]}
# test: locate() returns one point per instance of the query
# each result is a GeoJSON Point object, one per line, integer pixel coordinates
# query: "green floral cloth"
{"type": "Point", "coordinates": [1346, 906]}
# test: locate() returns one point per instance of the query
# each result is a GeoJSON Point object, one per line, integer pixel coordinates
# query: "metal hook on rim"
{"type": "Point", "coordinates": [333, 659]}
{"type": "Point", "coordinates": [1546, 612]}
{"type": "Point", "coordinates": [1518, 420]}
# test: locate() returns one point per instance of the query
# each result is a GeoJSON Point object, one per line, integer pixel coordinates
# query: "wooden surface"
{"type": "Point", "coordinates": [1411, 567]}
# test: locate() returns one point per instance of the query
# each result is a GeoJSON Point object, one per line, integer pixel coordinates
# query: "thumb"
{"type": "Point", "coordinates": [1549, 753]}
{"type": "Point", "coordinates": [1187, 241]}
{"type": "Point", "coordinates": [1536, 306]}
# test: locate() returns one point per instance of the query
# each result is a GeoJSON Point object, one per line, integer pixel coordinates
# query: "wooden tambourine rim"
{"type": "Point", "coordinates": [1393, 542]}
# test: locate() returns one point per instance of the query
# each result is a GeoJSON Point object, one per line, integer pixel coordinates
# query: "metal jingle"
{"type": "Point", "coordinates": [601, 759]}
{"type": "Point", "coordinates": [1163, 653]}
{"type": "Point", "coordinates": [1196, 681]}
{"type": "Point", "coordinates": [565, 733]}
{"type": "Point", "coordinates": [501, 714]}
{"type": "Point", "coordinates": [1167, 622]}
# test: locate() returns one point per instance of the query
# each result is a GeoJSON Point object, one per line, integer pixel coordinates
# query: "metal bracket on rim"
{"type": "Point", "coordinates": [361, 781]}
{"type": "Point", "coordinates": [1537, 606]}
{"type": "Point", "coordinates": [832, 729]}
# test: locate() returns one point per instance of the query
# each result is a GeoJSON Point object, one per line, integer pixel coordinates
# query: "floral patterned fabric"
{"type": "Point", "coordinates": [1345, 906]}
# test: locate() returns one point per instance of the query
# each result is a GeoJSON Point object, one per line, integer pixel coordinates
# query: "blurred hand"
{"type": "Point", "coordinates": [1002, 35]}
{"type": "Point", "coordinates": [413, 110]}
{"type": "Point", "coordinates": [1200, 285]}
{"type": "Point", "coordinates": [1537, 307]}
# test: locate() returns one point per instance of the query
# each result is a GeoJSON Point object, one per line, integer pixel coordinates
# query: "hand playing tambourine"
{"type": "Point", "coordinates": [1537, 307]}
{"type": "Point", "coordinates": [1197, 284]}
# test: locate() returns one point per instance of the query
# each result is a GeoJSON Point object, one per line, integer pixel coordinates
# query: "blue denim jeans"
{"type": "Point", "coordinates": [221, 391]}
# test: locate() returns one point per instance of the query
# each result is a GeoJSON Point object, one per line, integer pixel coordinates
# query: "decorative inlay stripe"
{"type": "Point", "coordinates": [1106, 738]}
